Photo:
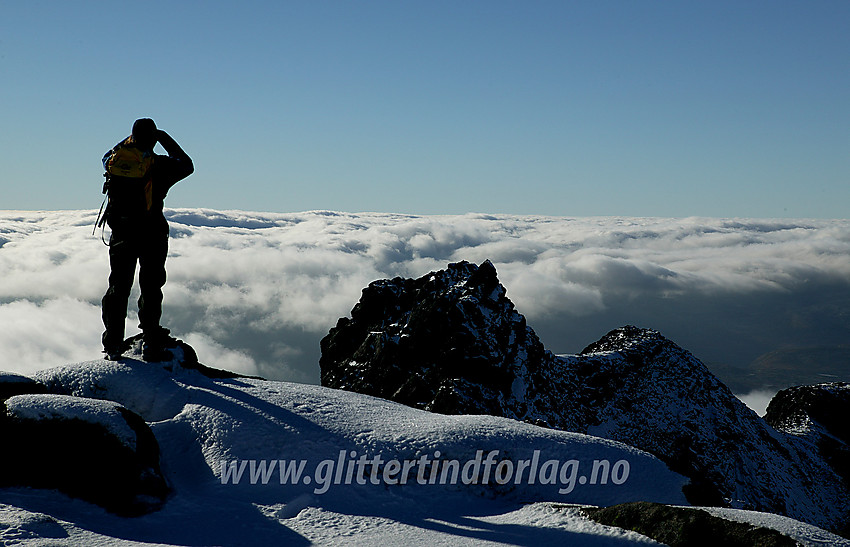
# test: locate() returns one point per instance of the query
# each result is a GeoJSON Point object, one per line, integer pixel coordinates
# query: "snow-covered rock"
{"type": "Point", "coordinates": [92, 449]}
{"type": "Point", "coordinates": [242, 424]}
{"type": "Point", "coordinates": [452, 342]}
{"type": "Point", "coordinates": [16, 384]}
{"type": "Point", "coordinates": [226, 443]}
{"type": "Point", "coordinates": [816, 418]}
{"type": "Point", "coordinates": [48, 407]}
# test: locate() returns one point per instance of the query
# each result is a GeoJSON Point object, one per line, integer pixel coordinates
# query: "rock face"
{"type": "Point", "coordinates": [449, 342]}
{"type": "Point", "coordinates": [452, 342]}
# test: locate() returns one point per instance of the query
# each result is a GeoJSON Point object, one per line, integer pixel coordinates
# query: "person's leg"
{"type": "Point", "coordinates": [122, 263]}
{"type": "Point", "coordinates": [151, 280]}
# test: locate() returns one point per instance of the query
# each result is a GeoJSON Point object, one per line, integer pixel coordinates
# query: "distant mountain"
{"type": "Point", "coordinates": [789, 367]}
{"type": "Point", "coordinates": [452, 342]}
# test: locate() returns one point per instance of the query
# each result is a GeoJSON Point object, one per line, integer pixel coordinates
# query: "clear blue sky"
{"type": "Point", "coordinates": [720, 108]}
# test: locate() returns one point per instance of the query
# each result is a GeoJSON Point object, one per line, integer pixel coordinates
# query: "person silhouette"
{"type": "Point", "coordinates": [137, 182]}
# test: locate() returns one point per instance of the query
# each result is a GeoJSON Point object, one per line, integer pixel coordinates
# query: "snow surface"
{"type": "Point", "coordinates": [199, 422]}
{"type": "Point", "coordinates": [806, 533]}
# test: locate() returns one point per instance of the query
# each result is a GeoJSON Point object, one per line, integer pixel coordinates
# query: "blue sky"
{"type": "Point", "coordinates": [554, 108]}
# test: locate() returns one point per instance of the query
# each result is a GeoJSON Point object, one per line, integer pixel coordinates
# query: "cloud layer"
{"type": "Point", "coordinates": [255, 292]}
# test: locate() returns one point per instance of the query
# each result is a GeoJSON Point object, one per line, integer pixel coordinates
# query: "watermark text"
{"type": "Point", "coordinates": [349, 468]}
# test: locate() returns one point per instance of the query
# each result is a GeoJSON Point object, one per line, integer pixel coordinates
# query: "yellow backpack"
{"type": "Point", "coordinates": [124, 162]}
{"type": "Point", "coordinates": [128, 161]}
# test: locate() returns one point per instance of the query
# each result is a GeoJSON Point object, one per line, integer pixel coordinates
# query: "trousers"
{"type": "Point", "coordinates": [148, 246]}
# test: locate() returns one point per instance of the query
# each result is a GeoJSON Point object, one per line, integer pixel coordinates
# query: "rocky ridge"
{"type": "Point", "coordinates": [452, 342]}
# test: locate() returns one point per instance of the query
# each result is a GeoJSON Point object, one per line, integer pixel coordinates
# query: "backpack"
{"type": "Point", "coordinates": [125, 160]}
{"type": "Point", "coordinates": [128, 186]}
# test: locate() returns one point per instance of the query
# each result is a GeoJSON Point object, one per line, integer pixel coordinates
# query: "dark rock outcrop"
{"type": "Point", "coordinates": [449, 342]}
{"type": "Point", "coordinates": [452, 342]}
{"type": "Point", "coordinates": [94, 450]}
{"type": "Point", "coordinates": [685, 527]}
{"type": "Point", "coordinates": [817, 415]}
{"type": "Point", "coordinates": [16, 384]}
{"type": "Point", "coordinates": [185, 356]}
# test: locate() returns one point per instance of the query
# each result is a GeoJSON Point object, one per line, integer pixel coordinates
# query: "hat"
{"type": "Point", "coordinates": [144, 133]}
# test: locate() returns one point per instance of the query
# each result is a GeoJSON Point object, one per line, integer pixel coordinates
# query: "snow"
{"type": "Point", "coordinates": [200, 423]}
{"type": "Point", "coordinates": [802, 532]}
{"type": "Point", "coordinates": [532, 524]}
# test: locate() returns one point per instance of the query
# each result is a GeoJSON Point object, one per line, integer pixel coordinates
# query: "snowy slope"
{"type": "Point", "coordinates": [200, 422]}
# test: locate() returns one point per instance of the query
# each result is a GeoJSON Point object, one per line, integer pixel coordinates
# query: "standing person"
{"type": "Point", "coordinates": [137, 181]}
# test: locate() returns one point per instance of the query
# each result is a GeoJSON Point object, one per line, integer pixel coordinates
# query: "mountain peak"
{"type": "Point", "coordinates": [625, 338]}
{"type": "Point", "coordinates": [452, 342]}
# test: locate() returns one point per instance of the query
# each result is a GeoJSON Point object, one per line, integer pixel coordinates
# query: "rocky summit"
{"type": "Point", "coordinates": [817, 415]}
{"type": "Point", "coordinates": [452, 342]}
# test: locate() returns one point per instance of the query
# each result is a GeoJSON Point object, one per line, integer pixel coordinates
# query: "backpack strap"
{"type": "Point", "coordinates": [100, 221]}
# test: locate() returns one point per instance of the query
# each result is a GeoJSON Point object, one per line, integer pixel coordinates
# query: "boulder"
{"type": "Point", "coordinates": [90, 449]}
{"type": "Point", "coordinates": [16, 384]}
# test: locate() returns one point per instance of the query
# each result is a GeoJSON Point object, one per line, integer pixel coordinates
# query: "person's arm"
{"type": "Point", "coordinates": [178, 164]}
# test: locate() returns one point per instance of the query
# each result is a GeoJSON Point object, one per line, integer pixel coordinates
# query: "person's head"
{"type": "Point", "coordinates": [144, 133]}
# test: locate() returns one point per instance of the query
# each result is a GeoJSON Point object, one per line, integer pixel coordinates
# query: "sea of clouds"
{"type": "Point", "coordinates": [255, 292]}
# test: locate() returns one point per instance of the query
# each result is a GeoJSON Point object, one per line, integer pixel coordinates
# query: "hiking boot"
{"type": "Point", "coordinates": [113, 353]}
{"type": "Point", "coordinates": [154, 342]}
{"type": "Point", "coordinates": [158, 336]}
{"type": "Point", "coordinates": [113, 346]}
{"type": "Point", "coordinates": [153, 353]}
